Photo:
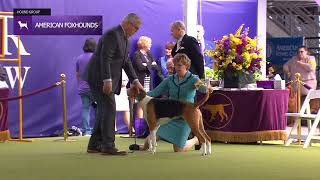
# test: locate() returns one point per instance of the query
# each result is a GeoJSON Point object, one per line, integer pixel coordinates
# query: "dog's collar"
{"type": "Point", "coordinates": [145, 100]}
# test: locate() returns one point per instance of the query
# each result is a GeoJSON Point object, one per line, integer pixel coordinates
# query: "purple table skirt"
{"type": "Point", "coordinates": [4, 132]}
{"type": "Point", "coordinates": [246, 116]}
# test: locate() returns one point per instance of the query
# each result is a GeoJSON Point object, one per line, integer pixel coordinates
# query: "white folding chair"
{"type": "Point", "coordinates": [305, 114]}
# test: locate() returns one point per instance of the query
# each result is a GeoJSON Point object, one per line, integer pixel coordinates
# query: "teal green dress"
{"type": "Point", "coordinates": [177, 130]}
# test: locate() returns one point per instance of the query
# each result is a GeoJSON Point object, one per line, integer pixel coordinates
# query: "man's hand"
{"type": "Point", "coordinates": [138, 87]}
{"type": "Point", "coordinates": [107, 87]}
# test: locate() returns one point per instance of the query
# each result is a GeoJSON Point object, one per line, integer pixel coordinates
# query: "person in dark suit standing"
{"type": "Point", "coordinates": [189, 46]}
{"type": "Point", "coordinates": [103, 74]}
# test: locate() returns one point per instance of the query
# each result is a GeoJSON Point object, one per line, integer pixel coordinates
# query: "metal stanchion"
{"type": "Point", "coordinates": [131, 101]}
{"type": "Point", "coordinates": [64, 109]}
{"type": "Point", "coordinates": [20, 100]}
{"type": "Point", "coordinates": [298, 84]}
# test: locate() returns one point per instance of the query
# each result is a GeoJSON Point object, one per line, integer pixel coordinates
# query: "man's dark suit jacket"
{"type": "Point", "coordinates": [111, 55]}
{"type": "Point", "coordinates": [190, 46]}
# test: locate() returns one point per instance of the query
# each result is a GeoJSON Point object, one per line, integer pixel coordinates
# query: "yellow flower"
{"type": "Point", "coordinates": [248, 46]}
{"type": "Point", "coordinates": [254, 55]}
{"type": "Point", "coordinates": [210, 53]}
{"type": "Point", "coordinates": [253, 42]}
{"type": "Point", "coordinates": [246, 56]}
{"type": "Point", "coordinates": [224, 37]}
{"type": "Point", "coordinates": [234, 40]}
{"type": "Point", "coordinates": [239, 30]}
{"type": "Point", "coordinates": [238, 67]}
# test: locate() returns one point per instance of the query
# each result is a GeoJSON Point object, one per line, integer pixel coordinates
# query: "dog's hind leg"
{"type": "Point", "coordinates": [201, 138]}
{"type": "Point", "coordinates": [207, 137]}
{"type": "Point", "coordinates": [225, 116]}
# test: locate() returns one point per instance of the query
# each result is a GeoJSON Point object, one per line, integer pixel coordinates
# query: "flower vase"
{"type": "Point", "coordinates": [231, 81]}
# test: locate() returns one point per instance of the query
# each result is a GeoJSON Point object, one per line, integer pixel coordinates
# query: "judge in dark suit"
{"type": "Point", "coordinates": [103, 74]}
{"type": "Point", "coordinates": [189, 46]}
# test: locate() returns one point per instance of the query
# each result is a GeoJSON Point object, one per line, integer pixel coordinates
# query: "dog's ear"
{"type": "Point", "coordinates": [132, 92]}
{"type": "Point", "coordinates": [141, 95]}
{"type": "Point", "coordinates": [144, 93]}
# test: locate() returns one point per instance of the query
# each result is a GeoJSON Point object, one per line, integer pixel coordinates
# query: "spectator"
{"type": "Point", "coordinates": [83, 87]}
{"type": "Point", "coordinates": [163, 60]}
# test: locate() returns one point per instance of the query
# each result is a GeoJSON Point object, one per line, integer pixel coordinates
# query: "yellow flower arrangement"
{"type": "Point", "coordinates": [235, 54]}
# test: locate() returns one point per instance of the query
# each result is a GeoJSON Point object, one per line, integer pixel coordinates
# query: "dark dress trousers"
{"type": "Point", "coordinates": [190, 46]}
{"type": "Point", "coordinates": [110, 57]}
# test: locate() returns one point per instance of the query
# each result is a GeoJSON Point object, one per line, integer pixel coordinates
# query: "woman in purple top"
{"type": "Point", "coordinates": [83, 87]}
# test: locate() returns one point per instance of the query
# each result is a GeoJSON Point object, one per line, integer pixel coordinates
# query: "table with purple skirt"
{"type": "Point", "coordinates": [4, 132]}
{"type": "Point", "coordinates": [244, 116]}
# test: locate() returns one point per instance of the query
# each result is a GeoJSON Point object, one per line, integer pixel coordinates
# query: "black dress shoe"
{"type": "Point", "coordinates": [134, 147]}
{"type": "Point", "coordinates": [91, 151]}
{"type": "Point", "coordinates": [113, 152]}
{"type": "Point", "coordinates": [197, 147]}
{"type": "Point", "coordinates": [94, 149]}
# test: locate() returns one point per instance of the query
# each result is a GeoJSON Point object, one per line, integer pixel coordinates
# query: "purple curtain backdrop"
{"type": "Point", "coordinates": [224, 17]}
{"type": "Point", "coordinates": [52, 55]}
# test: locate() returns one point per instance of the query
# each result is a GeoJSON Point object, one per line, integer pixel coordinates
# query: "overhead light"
{"type": "Point", "coordinates": [270, 17]}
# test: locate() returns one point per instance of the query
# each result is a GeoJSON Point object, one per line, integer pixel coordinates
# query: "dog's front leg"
{"type": "Point", "coordinates": [153, 142]}
{"type": "Point", "coordinates": [154, 139]}
{"type": "Point", "coordinates": [208, 147]}
{"type": "Point", "coordinates": [149, 140]}
{"type": "Point", "coordinates": [204, 148]}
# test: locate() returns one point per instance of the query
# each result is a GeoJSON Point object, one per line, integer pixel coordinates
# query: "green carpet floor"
{"type": "Point", "coordinates": [48, 159]}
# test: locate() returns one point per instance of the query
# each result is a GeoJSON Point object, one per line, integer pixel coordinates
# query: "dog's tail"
{"type": "Point", "coordinates": [203, 100]}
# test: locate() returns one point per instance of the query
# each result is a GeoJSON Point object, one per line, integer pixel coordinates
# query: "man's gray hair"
{"type": "Point", "coordinates": [132, 18]}
{"type": "Point", "coordinates": [178, 24]}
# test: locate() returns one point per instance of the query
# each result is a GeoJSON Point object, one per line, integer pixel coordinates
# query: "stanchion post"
{"type": "Point", "coordinates": [298, 84]}
{"type": "Point", "coordinates": [64, 110]}
{"type": "Point", "coordinates": [131, 100]}
{"type": "Point", "coordinates": [20, 94]}
{"type": "Point", "coordinates": [19, 90]}
{"type": "Point", "coordinates": [64, 107]}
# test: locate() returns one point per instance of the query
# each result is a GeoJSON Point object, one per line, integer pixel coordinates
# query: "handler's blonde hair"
{"type": "Point", "coordinates": [183, 58]}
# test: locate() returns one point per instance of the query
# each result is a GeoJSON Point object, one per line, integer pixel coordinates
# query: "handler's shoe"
{"type": "Point", "coordinates": [91, 151]}
{"type": "Point", "coordinates": [96, 149]}
{"type": "Point", "coordinates": [113, 152]}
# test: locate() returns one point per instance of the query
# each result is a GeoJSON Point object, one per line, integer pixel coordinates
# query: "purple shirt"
{"type": "Point", "coordinates": [82, 61]}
